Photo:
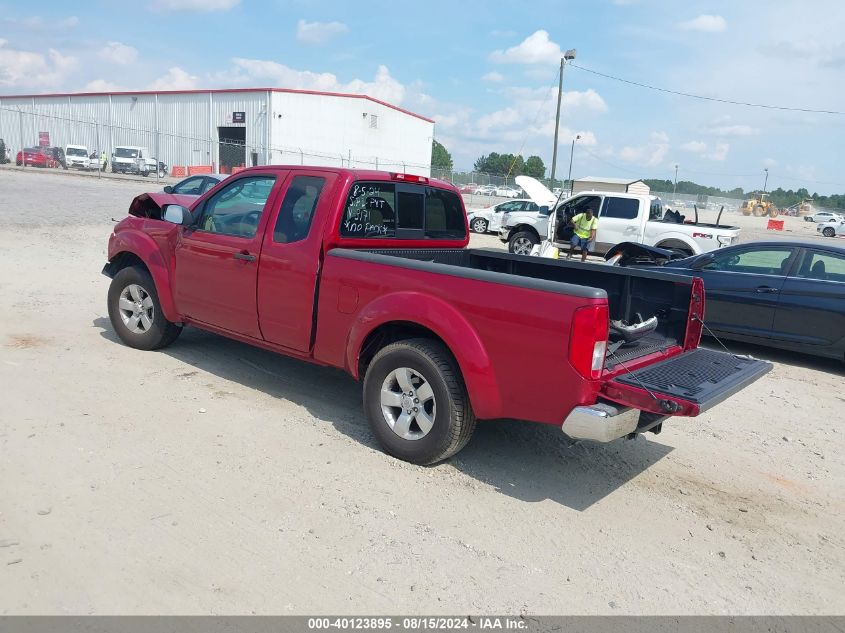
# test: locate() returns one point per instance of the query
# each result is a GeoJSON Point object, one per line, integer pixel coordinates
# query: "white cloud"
{"type": "Point", "coordinates": [101, 85]}
{"type": "Point", "coordinates": [175, 79]}
{"type": "Point", "coordinates": [660, 137]}
{"type": "Point", "coordinates": [118, 53]}
{"type": "Point", "coordinates": [718, 151]}
{"type": "Point", "coordinates": [588, 100]}
{"type": "Point", "coordinates": [318, 32]}
{"type": "Point", "coordinates": [705, 23]}
{"type": "Point", "coordinates": [249, 71]}
{"type": "Point", "coordinates": [649, 155]}
{"type": "Point", "coordinates": [36, 22]}
{"type": "Point", "coordinates": [696, 147]}
{"type": "Point", "coordinates": [770, 162]}
{"type": "Point", "coordinates": [493, 77]}
{"type": "Point", "coordinates": [194, 5]}
{"type": "Point", "coordinates": [537, 48]}
{"type": "Point", "coordinates": [28, 69]}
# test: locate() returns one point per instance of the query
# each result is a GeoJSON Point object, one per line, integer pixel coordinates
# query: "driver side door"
{"type": "Point", "coordinates": [216, 268]}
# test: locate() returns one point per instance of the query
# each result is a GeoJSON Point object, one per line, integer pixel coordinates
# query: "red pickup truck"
{"type": "Point", "coordinates": [369, 272]}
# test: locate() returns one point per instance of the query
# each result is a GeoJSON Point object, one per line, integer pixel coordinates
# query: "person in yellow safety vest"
{"type": "Point", "coordinates": [586, 225]}
{"type": "Point", "coordinates": [104, 161]}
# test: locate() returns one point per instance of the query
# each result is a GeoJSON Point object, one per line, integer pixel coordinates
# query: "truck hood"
{"type": "Point", "coordinates": [150, 205]}
{"type": "Point", "coordinates": [537, 191]}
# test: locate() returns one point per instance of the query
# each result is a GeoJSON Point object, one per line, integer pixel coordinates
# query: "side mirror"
{"type": "Point", "coordinates": [168, 189]}
{"type": "Point", "coordinates": [703, 261]}
{"type": "Point", "coordinates": [544, 210]}
{"type": "Point", "coordinates": [177, 214]}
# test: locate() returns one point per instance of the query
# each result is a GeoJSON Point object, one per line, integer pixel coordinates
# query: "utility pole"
{"type": "Point", "coordinates": [571, 154]}
{"type": "Point", "coordinates": [766, 181]}
{"type": "Point", "coordinates": [570, 55]}
{"type": "Point", "coordinates": [675, 186]}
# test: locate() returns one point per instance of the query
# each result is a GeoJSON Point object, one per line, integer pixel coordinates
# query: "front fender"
{"type": "Point", "coordinates": [445, 321]}
{"type": "Point", "coordinates": [145, 248]}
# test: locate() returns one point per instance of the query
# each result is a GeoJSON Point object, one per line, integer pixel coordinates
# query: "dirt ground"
{"type": "Point", "coordinates": [214, 478]}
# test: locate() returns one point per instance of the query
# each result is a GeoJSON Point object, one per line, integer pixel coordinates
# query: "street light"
{"type": "Point", "coordinates": [675, 186]}
{"type": "Point", "coordinates": [571, 153]}
{"type": "Point", "coordinates": [568, 55]}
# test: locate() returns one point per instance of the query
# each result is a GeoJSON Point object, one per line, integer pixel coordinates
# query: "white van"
{"type": "Point", "coordinates": [77, 157]}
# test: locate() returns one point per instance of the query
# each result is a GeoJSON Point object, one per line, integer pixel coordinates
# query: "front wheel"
{"type": "Point", "coordinates": [135, 311]}
{"type": "Point", "coordinates": [523, 242]}
{"type": "Point", "coordinates": [829, 231]}
{"type": "Point", "coordinates": [479, 225]}
{"type": "Point", "coordinates": [416, 401]}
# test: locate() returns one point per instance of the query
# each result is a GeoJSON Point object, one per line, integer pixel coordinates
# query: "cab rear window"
{"type": "Point", "coordinates": [386, 210]}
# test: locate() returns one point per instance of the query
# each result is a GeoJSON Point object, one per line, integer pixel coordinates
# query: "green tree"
{"type": "Point", "coordinates": [440, 156]}
{"type": "Point", "coordinates": [534, 167]}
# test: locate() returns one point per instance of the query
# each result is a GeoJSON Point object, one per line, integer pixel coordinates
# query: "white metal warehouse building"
{"type": "Point", "coordinates": [225, 129]}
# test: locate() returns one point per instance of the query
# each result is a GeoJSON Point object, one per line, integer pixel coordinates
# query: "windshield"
{"type": "Point", "coordinates": [125, 152]}
{"type": "Point", "coordinates": [76, 151]}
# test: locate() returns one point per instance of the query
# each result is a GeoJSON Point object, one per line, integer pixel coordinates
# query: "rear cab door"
{"type": "Point", "coordinates": [811, 309]}
{"type": "Point", "coordinates": [291, 257]}
{"type": "Point", "coordinates": [619, 221]}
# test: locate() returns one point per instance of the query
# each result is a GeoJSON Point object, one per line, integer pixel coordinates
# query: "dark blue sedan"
{"type": "Point", "coordinates": [784, 294]}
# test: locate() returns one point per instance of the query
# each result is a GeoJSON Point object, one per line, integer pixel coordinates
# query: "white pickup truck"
{"type": "Point", "coordinates": [130, 159]}
{"type": "Point", "coordinates": [623, 217]}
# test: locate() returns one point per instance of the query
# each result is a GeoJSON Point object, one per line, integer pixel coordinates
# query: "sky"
{"type": "Point", "coordinates": [487, 72]}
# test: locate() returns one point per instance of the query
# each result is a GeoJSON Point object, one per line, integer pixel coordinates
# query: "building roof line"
{"type": "Point", "coordinates": [344, 95]}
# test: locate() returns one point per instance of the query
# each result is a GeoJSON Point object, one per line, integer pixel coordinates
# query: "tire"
{"type": "Point", "coordinates": [479, 225]}
{"type": "Point", "coordinates": [447, 410]}
{"type": "Point", "coordinates": [521, 243]}
{"type": "Point", "coordinates": [829, 231]}
{"type": "Point", "coordinates": [808, 218]}
{"type": "Point", "coordinates": [759, 211]}
{"type": "Point", "coordinates": [773, 211]}
{"type": "Point", "coordinates": [135, 285]}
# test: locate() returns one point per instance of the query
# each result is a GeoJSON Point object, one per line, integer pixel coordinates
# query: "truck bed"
{"type": "Point", "coordinates": [629, 292]}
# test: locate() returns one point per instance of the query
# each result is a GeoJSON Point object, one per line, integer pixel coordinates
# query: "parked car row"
{"type": "Point", "coordinates": [824, 216]}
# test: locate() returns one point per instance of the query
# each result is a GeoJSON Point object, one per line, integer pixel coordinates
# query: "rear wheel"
{"type": "Point", "coordinates": [135, 311]}
{"type": "Point", "coordinates": [479, 225]}
{"type": "Point", "coordinates": [521, 243]}
{"type": "Point", "coordinates": [829, 231]}
{"type": "Point", "coordinates": [773, 211]}
{"type": "Point", "coordinates": [416, 401]}
{"type": "Point", "coordinates": [759, 211]}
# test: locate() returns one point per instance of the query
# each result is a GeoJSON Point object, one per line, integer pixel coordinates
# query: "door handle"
{"type": "Point", "coordinates": [244, 256]}
{"type": "Point", "coordinates": [762, 289]}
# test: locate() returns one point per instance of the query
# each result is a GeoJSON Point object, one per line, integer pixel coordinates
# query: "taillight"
{"type": "Point", "coordinates": [409, 178]}
{"type": "Point", "coordinates": [588, 340]}
{"type": "Point", "coordinates": [695, 321]}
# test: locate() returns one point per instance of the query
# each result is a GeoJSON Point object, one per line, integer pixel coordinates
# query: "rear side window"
{"type": "Point", "coordinates": [377, 210]}
{"type": "Point", "coordinates": [823, 266]}
{"type": "Point", "coordinates": [623, 208]}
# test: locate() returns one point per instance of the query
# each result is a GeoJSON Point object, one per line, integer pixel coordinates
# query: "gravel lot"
{"type": "Point", "coordinates": [212, 477]}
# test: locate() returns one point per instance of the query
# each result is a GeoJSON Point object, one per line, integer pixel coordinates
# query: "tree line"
{"type": "Point", "coordinates": [781, 197]}
{"type": "Point", "coordinates": [493, 163]}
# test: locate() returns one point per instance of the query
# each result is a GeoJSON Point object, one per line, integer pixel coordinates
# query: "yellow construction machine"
{"type": "Point", "coordinates": [759, 207]}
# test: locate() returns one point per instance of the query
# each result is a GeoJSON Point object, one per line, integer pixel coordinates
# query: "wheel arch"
{"type": "Point", "coordinates": [136, 249]}
{"type": "Point", "coordinates": [679, 242]}
{"type": "Point", "coordinates": [401, 316]}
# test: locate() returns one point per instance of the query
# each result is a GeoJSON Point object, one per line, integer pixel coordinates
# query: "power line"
{"type": "Point", "coordinates": [705, 98]}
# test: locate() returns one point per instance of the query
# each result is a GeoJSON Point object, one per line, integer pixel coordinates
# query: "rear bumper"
{"type": "Point", "coordinates": [684, 385]}
{"type": "Point", "coordinates": [601, 422]}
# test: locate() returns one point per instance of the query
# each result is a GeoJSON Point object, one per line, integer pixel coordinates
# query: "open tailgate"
{"type": "Point", "coordinates": [687, 384]}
